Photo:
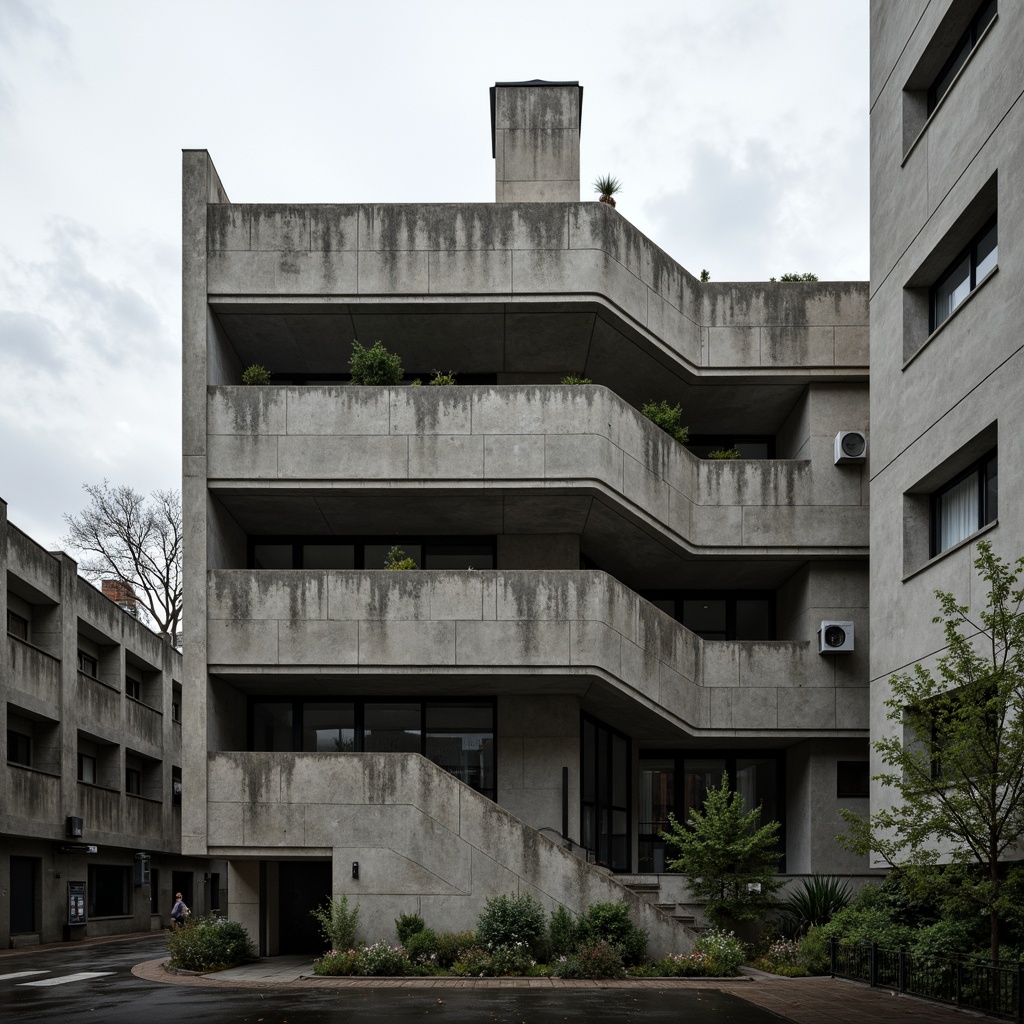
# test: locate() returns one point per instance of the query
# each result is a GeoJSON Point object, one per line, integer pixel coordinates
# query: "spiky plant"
{"type": "Point", "coordinates": [607, 185]}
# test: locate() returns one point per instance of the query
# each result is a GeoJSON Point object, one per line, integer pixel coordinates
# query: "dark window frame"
{"type": "Point", "coordinates": [84, 660]}
{"type": "Point", "coordinates": [853, 780]}
{"type": "Point", "coordinates": [716, 442]}
{"type": "Point", "coordinates": [132, 688]}
{"type": "Point", "coordinates": [19, 748]}
{"type": "Point", "coordinates": [132, 781]}
{"type": "Point", "coordinates": [598, 806]}
{"type": "Point", "coordinates": [962, 49]}
{"type": "Point", "coordinates": [730, 756]}
{"type": "Point", "coordinates": [359, 706]}
{"type": "Point", "coordinates": [969, 251]}
{"type": "Point", "coordinates": [17, 625]}
{"type": "Point", "coordinates": [298, 542]}
{"type": "Point", "coordinates": [980, 469]}
{"type": "Point", "coordinates": [82, 759]}
{"type": "Point", "coordinates": [176, 787]}
{"type": "Point", "coordinates": [104, 882]}
{"type": "Point", "coordinates": [730, 597]}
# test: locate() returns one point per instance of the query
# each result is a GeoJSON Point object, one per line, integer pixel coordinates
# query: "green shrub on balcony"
{"type": "Point", "coordinates": [255, 375]}
{"type": "Point", "coordinates": [571, 378]}
{"type": "Point", "coordinates": [667, 417]}
{"type": "Point", "coordinates": [374, 365]}
{"type": "Point", "coordinates": [442, 379]}
{"type": "Point", "coordinates": [725, 453]}
{"type": "Point", "coordinates": [397, 559]}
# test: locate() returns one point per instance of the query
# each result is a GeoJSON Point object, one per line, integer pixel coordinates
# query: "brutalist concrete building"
{"type": "Point", "coordinates": [602, 620]}
{"type": "Point", "coordinates": [947, 160]}
{"type": "Point", "coordinates": [90, 791]}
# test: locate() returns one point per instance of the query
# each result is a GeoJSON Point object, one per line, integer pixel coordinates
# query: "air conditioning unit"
{"type": "Point", "coordinates": [850, 446]}
{"type": "Point", "coordinates": [835, 637]}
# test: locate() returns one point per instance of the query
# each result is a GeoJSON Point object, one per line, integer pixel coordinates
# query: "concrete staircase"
{"type": "Point", "coordinates": [648, 888]}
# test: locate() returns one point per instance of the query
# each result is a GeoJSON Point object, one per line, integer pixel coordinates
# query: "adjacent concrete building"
{"type": "Point", "coordinates": [947, 369]}
{"type": "Point", "coordinates": [90, 791]}
{"type": "Point", "coordinates": [602, 621]}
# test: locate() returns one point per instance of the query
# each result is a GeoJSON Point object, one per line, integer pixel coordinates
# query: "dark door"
{"type": "Point", "coordinates": [302, 885]}
{"type": "Point", "coordinates": [24, 882]}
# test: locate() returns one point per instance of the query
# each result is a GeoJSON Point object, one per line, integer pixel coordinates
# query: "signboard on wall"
{"type": "Point", "coordinates": [76, 903]}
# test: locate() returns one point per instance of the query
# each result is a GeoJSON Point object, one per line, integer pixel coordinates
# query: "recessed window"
{"type": "Point", "coordinates": [961, 51]}
{"type": "Point", "coordinates": [87, 664]}
{"type": "Point", "coordinates": [19, 748]}
{"type": "Point", "coordinates": [965, 504]}
{"type": "Point", "coordinates": [17, 625]}
{"type": "Point", "coordinates": [133, 688]}
{"type": "Point", "coordinates": [720, 614]}
{"type": "Point", "coordinates": [87, 769]}
{"type": "Point", "coordinates": [109, 890]}
{"type": "Point", "coordinates": [853, 780]}
{"type": "Point", "coordinates": [370, 552]}
{"type": "Point", "coordinates": [133, 781]}
{"type": "Point", "coordinates": [175, 786]}
{"type": "Point", "coordinates": [967, 271]}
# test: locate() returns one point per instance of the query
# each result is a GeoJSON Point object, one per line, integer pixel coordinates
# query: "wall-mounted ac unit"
{"type": "Point", "coordinates": [850, 446]}
{"type": "Point", "coordinates": [835, 637]}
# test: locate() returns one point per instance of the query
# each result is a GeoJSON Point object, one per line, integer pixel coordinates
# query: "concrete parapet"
{"type": "Point", "coordinates": [580, 625]}
{"type": "Point", "coordinates": [545, 437]}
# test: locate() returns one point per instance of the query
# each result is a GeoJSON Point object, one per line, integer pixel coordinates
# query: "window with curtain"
{"type": "Point", "coordinates": [965, 505]}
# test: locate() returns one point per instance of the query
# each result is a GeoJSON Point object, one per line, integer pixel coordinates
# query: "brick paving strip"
{"type": "Point", "coordinates": [801, 1000]}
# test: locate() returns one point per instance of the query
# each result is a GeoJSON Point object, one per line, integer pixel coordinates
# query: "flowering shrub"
{"type": "Point", "coordinates": [450, 946]}
{"type": "Point", "coordinates": [782, 957]}
{"type": "Point", "coordinates": [716, 954]}
{"type": "Point", "coordinates": [600, 959]}
{"type": "Point", "coordinates": [495, 961]}
{"type": "Point", "coordinates": [210, 944]}
{"type": "Point", "coordinates": [611, 923]}
{"type": "Point", "coordinates": [382, 959]}
{"type": "Point", "coordinates": [337, 963]}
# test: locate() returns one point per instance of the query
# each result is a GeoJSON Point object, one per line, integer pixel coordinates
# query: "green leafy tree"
{"type": "Point", "coordinates": [954, 784]}
{"type": "Point", "coordinates": [729, 858]}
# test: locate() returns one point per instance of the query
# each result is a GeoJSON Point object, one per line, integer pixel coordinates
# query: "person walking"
{"type": "Point", "coordinates": [179, 912]}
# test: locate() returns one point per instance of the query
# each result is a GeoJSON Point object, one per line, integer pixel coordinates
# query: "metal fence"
{"type": "Point", "coordinates": [996, 989]}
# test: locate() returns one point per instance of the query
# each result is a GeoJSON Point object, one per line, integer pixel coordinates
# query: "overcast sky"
{"type": "Point", "coordinates": [738, 127]}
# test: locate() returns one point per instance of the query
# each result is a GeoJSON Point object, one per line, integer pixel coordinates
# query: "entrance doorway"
{"type": "Point", "coordinates": [181, 881]}
{"type": "Point", "coordinates": [302, 885]}
{"type": "Point", "coordinates": [25, 873]}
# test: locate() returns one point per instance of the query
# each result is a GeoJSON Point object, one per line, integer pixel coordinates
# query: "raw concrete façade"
{"type": "Point", "coordinates": [602, 620]}
{"type": "Point", "coordinates": [947, 369]}
{"type": "Point", "coordinates": [90, 789]}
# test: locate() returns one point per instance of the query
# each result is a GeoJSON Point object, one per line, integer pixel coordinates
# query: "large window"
{"type": "Point", "coordinates": [109, 890]}
{"type": "Point", "coordinates": [678, 782]}
{"type": "Point", "coordinates": [17, 625]}
{"type": "Point", "coordinates": [19, 748]}
{"type": "Point", "coordinates": [605, 805]}
{"type": "Point", "coordinates": [280, 552]}
{"type": "Point", "coordinates": [457, 735]}
{"type": "Point", "coordinates": [720, 614]}
{"type": "Point", "coordinates": [965, 504]}
{"type": "Point", "coordinates": [966, 272]}
{"type": "Point", "coordinates": [961, 51]}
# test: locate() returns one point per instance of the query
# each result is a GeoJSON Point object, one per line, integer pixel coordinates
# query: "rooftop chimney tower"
{"type": "Point", "coordinates": [535, 140]}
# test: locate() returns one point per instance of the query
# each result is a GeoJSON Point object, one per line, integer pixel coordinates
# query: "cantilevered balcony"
{"type": "Point", "coordinates": [545, 440]}
{"type": "Point", "coordinates": [578, 632]}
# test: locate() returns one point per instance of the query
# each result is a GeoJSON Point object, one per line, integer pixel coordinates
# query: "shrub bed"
{"type": "Point", "coordinates": [210, 944]}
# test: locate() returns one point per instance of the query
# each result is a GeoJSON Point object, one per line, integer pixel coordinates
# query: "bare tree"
{"type": "Point", "coordinates": [124, 536]}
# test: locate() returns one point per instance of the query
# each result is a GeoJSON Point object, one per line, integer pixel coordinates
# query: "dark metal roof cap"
{"type": "Point", "coordinates": [532, 83]}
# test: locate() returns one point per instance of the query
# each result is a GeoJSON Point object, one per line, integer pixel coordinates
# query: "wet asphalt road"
{"type": "Point", "coordinates": [120, 998]}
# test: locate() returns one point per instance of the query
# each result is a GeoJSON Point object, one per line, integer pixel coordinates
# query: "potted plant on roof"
{"type": "Point", "coordinates": [607, 185]}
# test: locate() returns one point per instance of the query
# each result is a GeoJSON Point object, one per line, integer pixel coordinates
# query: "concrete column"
{"type": "Point", "coordinates": [535, 136]}
{"type": "Point", "coordinates": [244, 896]}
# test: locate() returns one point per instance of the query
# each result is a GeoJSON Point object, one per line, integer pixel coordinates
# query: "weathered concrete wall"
{"type": "Point", "coordinates": [538, 736]}
{"type": "Point", "coordinates": [515, 252]}
{"type": "Point", "coordinates": [545, 437]}
{"type": "Point", "coordinates": [537, 143]}
{"type": "Point", "coordinates": [936, 398]}
{"type": "Point", "coordinates": [583, 624]}
{"type": "Point", "coordinates": [426, 843]}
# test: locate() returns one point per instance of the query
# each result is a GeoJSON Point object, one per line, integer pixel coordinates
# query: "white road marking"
{"type": "Point", "coordinates": [67, 979]}
{"type": "Point", "coordinates": [20, 974]}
